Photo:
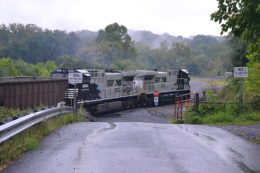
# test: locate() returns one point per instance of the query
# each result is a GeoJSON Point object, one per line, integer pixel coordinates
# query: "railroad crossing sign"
{"type": "Point", "coordinates": [240, 72]}
{"type": "Point", "coordinates": [75, 78]}
{"type": "Point", "coordinates": [156, 100]}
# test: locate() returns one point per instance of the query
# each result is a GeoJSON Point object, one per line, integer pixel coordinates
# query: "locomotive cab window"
{"type": "Point", "coordinates": [86, 79]}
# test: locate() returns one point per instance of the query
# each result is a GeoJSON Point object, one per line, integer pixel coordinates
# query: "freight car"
{"type": "Point", "coordinates": [30, 92]}
{"type": "Point", "coordinates": [132, 88]}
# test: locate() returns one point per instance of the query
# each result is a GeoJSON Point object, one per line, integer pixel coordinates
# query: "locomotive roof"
{"type": "Point", "coordinates": [161, 74]}
{"type": "Point", "coordinates": [85, 72]}
{"type": "Point", "coordinates": [129, 73]}
{"type": "Point", "coordinates": [145, 73]}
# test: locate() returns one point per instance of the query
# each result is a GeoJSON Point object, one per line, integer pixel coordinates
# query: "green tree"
{"type": "Point", "coordinates": [241, 18]}
{"type": "Point", "coordinates": [23, 68]}
{"type": "Point", "coordinates": [44, 69]}
{"type": "Point", "coordinates": [124, 65]}
{"type": "Point", "coordinates": [7, 68]}
{"type": "Point", "coordinates": [115, 44]}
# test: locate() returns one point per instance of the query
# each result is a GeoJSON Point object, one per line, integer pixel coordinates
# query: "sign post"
{"type": "Point", "coordinates": [75, 78]}
{"type": "Point", "coordinates": [156, 99]}
{"type": "Point", "coordinates": [241, 72]}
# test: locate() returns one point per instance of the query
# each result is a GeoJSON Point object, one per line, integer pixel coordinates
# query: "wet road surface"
{"type": "Point", "coordinates": [133, 147]}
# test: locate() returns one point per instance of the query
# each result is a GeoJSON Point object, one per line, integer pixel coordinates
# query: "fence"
{"type": "Point", "coordinates": [182, 102]}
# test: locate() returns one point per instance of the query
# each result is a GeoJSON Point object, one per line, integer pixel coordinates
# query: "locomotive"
{"type": "Point", "coordinates": [131, 88]}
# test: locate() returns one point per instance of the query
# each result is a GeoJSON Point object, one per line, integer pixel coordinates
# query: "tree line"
{"type": "Point", "coordinates": [111, 47]}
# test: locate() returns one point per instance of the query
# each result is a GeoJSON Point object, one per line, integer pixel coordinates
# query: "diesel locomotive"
{"type": "Point", "coordinates": [131, 88]}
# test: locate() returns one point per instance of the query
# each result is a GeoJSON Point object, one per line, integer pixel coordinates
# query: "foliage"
{"type": "Point", "coordinates": [125, 65]}
{"type": "Point", "coordinates": [33, 44]}
{"type": "Point", "coordinates": [115, 44]}
{"type": "Point", "coordinates": [111, 47]}
{"type": "Point", "coordinates": [223, 114]}
{"type": "Point", "coordinates": [237, 52]}
{"type": "Point", "coordinates": [240, 17]}
{"type": "Point", "coordinates": [7, 68]}
{"type": "Point", "coordinates": [213, 112]}
{"type": "Point", "coordinates": [10, 68]}
{"type": "Point", "coordinates": [252, 84]}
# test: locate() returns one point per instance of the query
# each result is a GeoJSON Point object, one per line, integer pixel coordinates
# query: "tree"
{"type": "Point", "coordinates": [23, 68]}
{"type": "Point", "coordinates": [7, 68]}
{"type": "Point", "coordinates": [240, 17]}
{"type": "Point", "coordinates": [115, 44]}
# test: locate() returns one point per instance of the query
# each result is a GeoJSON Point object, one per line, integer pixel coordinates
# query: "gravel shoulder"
{"type": "Point", "coordinates": [249, 132]}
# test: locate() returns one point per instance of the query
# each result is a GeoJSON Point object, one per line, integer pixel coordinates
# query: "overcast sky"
{"type": "Point", "coordinates": [176, 17]}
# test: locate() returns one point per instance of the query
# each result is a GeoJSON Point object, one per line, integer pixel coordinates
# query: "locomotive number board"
{"type": "Point", "coordinates": [75, 78]}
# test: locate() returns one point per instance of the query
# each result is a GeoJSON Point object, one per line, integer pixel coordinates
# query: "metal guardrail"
{"type": "Point", "coordinates": [15, 127]}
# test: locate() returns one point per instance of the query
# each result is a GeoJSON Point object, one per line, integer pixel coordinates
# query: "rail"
{"type": "Point", "coordinates": [15, 127]}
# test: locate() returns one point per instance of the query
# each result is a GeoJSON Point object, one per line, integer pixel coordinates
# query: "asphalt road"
{"type": "Point", "coordinates": [134, 147]}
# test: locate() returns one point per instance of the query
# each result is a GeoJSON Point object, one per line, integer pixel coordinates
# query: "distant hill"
{"type": "Point", "coordinates": [153, 40]}
{"type": "Point", "coordinates": [148, 38]}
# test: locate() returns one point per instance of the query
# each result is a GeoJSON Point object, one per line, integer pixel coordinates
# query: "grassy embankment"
{"type": "Point", "coordinates": [28, 140]}
{"type": "Point", "coordinates": [230, 112]}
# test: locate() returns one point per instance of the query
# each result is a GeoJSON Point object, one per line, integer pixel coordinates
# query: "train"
{"type": "Point", "coordinates": [132, 88]}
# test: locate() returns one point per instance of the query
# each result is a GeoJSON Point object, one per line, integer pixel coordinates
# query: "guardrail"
{"type": "Point", "coordinates": [15, 127]}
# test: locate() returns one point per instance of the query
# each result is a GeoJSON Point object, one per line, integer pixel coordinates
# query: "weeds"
{"type": "Point", "coordinates": [215, 113]}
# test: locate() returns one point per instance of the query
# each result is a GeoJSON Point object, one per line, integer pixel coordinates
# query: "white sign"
{"type": "Point", "coordinates": [75, 78]}
{"type": "Point", "coordinates": [156, 99]}
{"type": "Point", "coordinates": [240, 72]}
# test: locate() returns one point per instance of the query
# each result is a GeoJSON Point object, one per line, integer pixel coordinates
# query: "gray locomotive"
{"type": "Point", "coordinates": [132, 88]}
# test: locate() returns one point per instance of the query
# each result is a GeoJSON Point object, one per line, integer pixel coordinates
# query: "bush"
{"type": "Point", "coordinates": [219, 117]}
{"type": "Point", "coordinates": [249, 117]}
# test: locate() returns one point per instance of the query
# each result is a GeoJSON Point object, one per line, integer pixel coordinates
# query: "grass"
{"type": "Point", "coordinates": [5, 112]}
{"type": "Point", "coordinates": [223, 115]}
{"type": "Point", "coordinates": [211, 82]}
{"type": "Point", "coordinates": [9, 112]}
{"type": "Point", "coordinates": [28, 140]}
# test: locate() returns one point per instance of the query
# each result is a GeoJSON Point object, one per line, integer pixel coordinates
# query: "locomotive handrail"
{"type": "Point", "coordinates": [15, 127]}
